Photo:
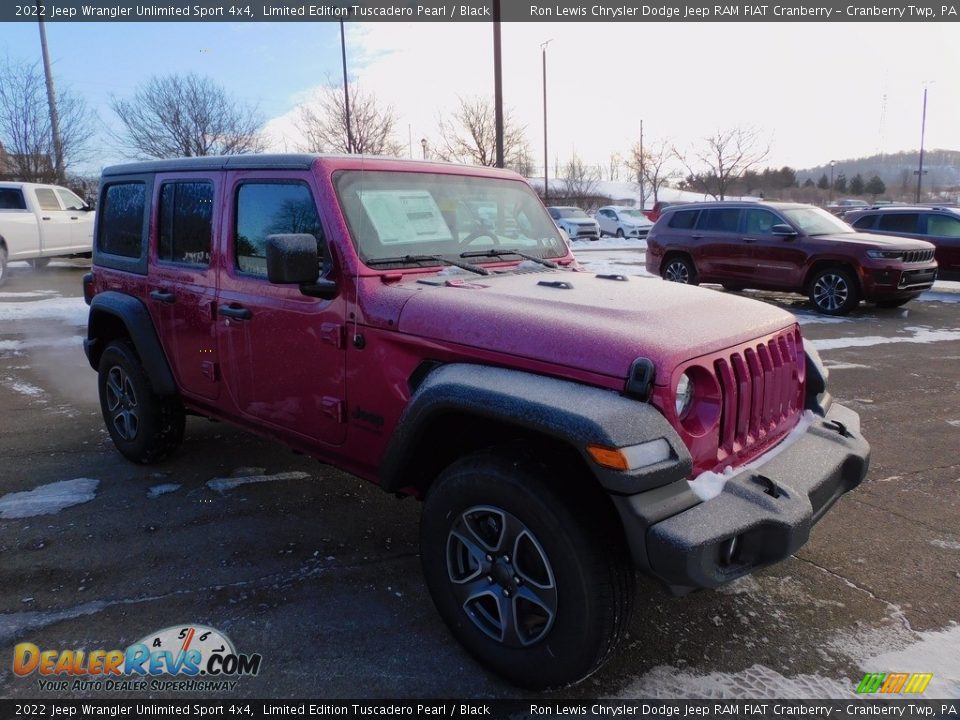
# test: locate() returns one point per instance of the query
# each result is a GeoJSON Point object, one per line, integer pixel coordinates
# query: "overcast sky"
{"type": "Point", "coordinates": [816, 91]}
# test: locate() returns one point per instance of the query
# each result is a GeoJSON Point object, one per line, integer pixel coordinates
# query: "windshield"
{"type": "Point", "coordinates": [635, 214]}
{"type": "Point", "coordinates": [814, 221]}
{"type": "Point", "coordinates": [392, 215]}
{"type": "Point", "coordinates": [570, 213]}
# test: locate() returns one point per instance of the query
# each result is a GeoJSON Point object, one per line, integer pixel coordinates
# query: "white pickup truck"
{"type": "Point", "coordinates": [38, 222]}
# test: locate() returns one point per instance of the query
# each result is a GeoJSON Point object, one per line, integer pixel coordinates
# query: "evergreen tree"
{"type": "Point", "coordinates": [856, 185]}
{"type": "Point", "coordinates": [875, 186]}
{"type": "Point", "coordinates": [823, 183]}
{"type": "Point", "coordinates": [840, 185]}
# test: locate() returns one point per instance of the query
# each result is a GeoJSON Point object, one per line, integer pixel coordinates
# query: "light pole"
{"type": "Point", "coordinates": [423, 146]}
{"type": "Point", "coordinates": [546, 174]}
{"type": "Point", "coordinates": [497, 83]}
{"type": "Point", "coordinates": [832, 163]}
{"type": "Point", "coordinates": [923, 130]}
{"type": "Point", "coordinates": [346, 93]}
{"type": "Point", "coordinates": [51, 100]}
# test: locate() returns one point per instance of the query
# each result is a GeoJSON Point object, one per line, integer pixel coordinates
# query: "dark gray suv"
{"type": "Point", "coordinates": [938, 225]}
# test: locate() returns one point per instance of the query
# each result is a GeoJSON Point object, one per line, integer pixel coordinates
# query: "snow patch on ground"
{"type": "Point", "coordinates": [609, 243]}
{"type": "Point", "coordinates": [158, 490]}
{"type": "Point", "coordinates": [48, 499]}
{"type": "Point", "coordinates": [29, 294]}
{"type": "Point", "coordinates": [946, 545]}
{"type": "Point", "coordinates": [919, 335]}
{"type": "Point", "coordinates": [15, 346]}
{"type": "Point", "coordinates": [24, 388]}
{"type": "Point", "coordinates": [943, 297]}
{"type": "Point", "coordinates": [223, 484]}
{"type": "Point", "coordinates": [844, 366]}
{"type": "Point", "coordinates": [72, 310]}
{"type": "Point", "coordinates": [708, 485]}
{"type": "Point", "coordinates": [805, 319]}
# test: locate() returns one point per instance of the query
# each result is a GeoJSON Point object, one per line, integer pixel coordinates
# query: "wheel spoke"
{"type": "Point", "coordinates": [509, 630]}
{"type": "Point", "coordinates": [457, 569]}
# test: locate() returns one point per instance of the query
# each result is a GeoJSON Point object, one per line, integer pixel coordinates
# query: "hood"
{"type": "Point", "coordinates": [891, 242]}
{"type": "Point", "coordinates": [598, 325]}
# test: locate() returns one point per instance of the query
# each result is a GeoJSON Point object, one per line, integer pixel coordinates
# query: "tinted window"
{"type": "Point", "coordinates": [186, 210]}
{"type": "Point", "coordinates": [12, 199]}
{"type": "Point", "coordinates": [121, 219]}
{"type": "Point", "coordinates": [899, 222]}
{"type": "Point", "coordinates": [865, 222]}
{"type": "Point", "coordinates": [69, 200]}
{"type": "Point", "coordinates": [759, 222]}
{"type": "Point", "coordinates": [943, 226]}
{"type": "Point", "coordinates": [683, 219]}
{"type": "Point", "coordinates": [47, 199]}
{"type": "Point", "coordinates": [720, 220]}
{"type": "Point", "coordinates": [554, 213]}
{"type": "Point", "coordinates": [271, 209]}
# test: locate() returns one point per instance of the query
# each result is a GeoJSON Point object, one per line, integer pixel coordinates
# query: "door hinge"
{"type": "Point", "coordinates": [335, 408]}
{"type": "Point", "coordinates": [334, 334]}
{"type": "Point", "coordinates": [209, 370]}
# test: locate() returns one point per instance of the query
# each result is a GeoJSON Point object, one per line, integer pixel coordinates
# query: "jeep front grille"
{"type": "Point", "coordinates": [761, 386]}
{"type": "Point", "coordinates": [916, 256]}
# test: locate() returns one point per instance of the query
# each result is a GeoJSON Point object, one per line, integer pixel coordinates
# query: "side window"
{"type": "Point", "coordinates": [720, 220]}
{"type": "Point", "coordinates": [684, 219]}
{"type": "Point", "coordinates": [943, 226]}
{"type": "Point", "coordinates": [865, 223]}
{"type": "Point", "coordinates": [121, 219]}
{"type": "Point", "coordinates": [46, 199]}
{"type": "Point", "coordinates": [186, 212]}
{"type": "Point", "coordinates": [69, 200]}
{"type": "Point", "coordinates": [555, 214]}
{"type": "Point", "coordinates": [899, 222]}
{"type": "Point", "coordinates": [12, 199]}
{"type": "Point", "coordinates": [759, 222]}
{"type": "Point", "coordinates": [265, 208]}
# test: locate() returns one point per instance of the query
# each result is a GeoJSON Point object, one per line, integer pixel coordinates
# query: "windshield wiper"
{"type": "Point", "coordinates": [500, 253]}
{"type": "Point", "coordinates": [428, 258]}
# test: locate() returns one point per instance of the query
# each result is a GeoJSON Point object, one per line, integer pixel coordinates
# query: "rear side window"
{"type": "Point", "coordinates": [271, 209]}
{"type": "Point", "coordinates": [12, 199]}
{"type": "Point", "coordinates": [121, 219]}
{"type": "Point", "coordinates": [943, 226]}
{"type": "Point", "coordinates": [899, 222]}
{"type": "Point", "coordinates": [683, 219]}
{"type": "Point", "coordinates": [186, 216]}
{"type": "Point", "coordinates": [865, 223]}
{"type": "Point", "coordinates": [46, 199]}
{"type": "Point", "coordinates": [720, 220]}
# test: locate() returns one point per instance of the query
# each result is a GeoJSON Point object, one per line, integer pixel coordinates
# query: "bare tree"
{"type": "Point", "coordinates": [186, 116]}
{"type": "Point", "coordinates": [654, 167]}
{"type": "Point", "coordinates": [725, 157]}
{"type": "Point", "coordinates": [324, 124]}
{"type": "Point", "coordinates": [26, 139]}
{"type": "Point", "coordinates": [579, 181]}
{"type": "Point", "coordinates": [469, 136]}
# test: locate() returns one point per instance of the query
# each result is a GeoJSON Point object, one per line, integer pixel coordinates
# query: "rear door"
{"type": "Point", "coordinates": [906, 224]}
{"type": "Point", "coordinates": [943, 230]}
{"type": "Point", "coordinates": [776, 260]}
{"type": "Point", "coordinates": [183, 278]}
{"type": "Point", "coordinates": [722, 254]}
{"type": "Point", "coordinates": [55, 223]}
{"type": "Point", "coordinates": [284, 352]}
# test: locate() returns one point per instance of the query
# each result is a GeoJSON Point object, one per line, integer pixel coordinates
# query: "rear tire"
{"type": "Point", "coordinates": [680, 269]}
{"type": "Point", "coordinates": [833, 291]}
{"type": "Point", "coordinates": [528, 568]}
{"type": "Point", "coordinates": [144, 426]}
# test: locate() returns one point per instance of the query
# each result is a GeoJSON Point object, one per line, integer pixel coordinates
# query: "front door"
{"type": "Point", "coordinates": [56, 231]}
{"type": "Point", "coordinates": [284, 351]}
{"type": "Point", "coordinates": [776, 260]}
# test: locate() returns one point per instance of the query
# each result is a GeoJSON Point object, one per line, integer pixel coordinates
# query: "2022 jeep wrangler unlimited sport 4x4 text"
{"type": "Point", "coordinates": [424, 326]}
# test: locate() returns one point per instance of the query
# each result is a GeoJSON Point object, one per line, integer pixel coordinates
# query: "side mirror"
{"type": "Point", "coordinates": [293, 259]}
{"type": "Point", "coordinates": [783, 230]}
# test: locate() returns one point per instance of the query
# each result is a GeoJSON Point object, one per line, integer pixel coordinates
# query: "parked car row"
{"type": "Point", "coordinates": [615, 220]}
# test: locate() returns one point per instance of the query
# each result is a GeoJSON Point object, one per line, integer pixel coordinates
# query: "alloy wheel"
{"type": "Point", "coordinates": [830, 292]}
{"type": "Point", "coordinates": [122, 403]}
{"type": "Point", "coordinates": [677, 271]}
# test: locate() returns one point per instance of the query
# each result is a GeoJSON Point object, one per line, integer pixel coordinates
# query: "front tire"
{"type": "Point", "coordinates": [144, 426]}
{"type": "Point", "coordinates": [833, 291]}
{"type": "Point", "coordinates": [620, 233]}
{"type": "Point", "coordinates": [680, 269]}
{"type": "Point", "coordinates": [527, 568]}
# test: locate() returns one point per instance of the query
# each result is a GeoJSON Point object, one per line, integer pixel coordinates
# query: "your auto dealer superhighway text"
{"type": "Point", "coordinates": [612, 12]}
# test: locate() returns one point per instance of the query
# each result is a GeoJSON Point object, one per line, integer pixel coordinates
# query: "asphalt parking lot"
{"type": "Point", "coordinates": [318, 571]}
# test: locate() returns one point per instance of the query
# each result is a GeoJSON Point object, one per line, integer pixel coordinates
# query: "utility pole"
{"type": "Point", "coordinates": [497, 82]}
{"type": "Point", "coordinates": [546, 174]}
{"type": "Point", "coordinates": [923, 131]}
{"type": "Point", "coordinates": [51, 100]}
{"type": "Point", "coordinates": [643, 194]}
{"type": "Point", "coordinates": [346, 92]}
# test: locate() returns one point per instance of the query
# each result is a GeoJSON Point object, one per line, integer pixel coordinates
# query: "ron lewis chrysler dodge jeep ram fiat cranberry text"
{"type": "Point", "coordinates": [425, 326]}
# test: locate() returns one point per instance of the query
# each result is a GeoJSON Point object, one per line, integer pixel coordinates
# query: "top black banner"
{"type": "Point", "coordinates": [466, 11]}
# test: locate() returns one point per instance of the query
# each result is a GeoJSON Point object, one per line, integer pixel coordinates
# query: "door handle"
{"type": "Point", "coordinates": [163, 296]}
{"type": "Point", "coordinates": [697, 237]}
{"type": "Point", "coordinates": [748, 240]}
{"type": "Point", "coordinates": [237, 312]}
{"type": "Point", "coordinates": [74, 217]}
{"type": "Point", "coordinates": [45, 217]}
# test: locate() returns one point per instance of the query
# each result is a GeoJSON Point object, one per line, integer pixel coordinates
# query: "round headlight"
{"type": "Point", "coordinates": [684, 395]}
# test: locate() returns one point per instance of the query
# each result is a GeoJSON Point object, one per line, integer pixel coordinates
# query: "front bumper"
{"type": "Point", "coordinates": [897, 282]}
{"type": "Point", "coordinates": [762, 516]}
{"type": "Point", "coordinates": [585, 232]}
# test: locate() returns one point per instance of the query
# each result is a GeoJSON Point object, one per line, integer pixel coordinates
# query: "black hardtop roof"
{"type": "Point", "coordinates": [303, 161]}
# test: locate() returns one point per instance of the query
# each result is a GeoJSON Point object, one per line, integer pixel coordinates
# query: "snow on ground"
{"type": "Point", "coordinates": [72, 311]}
{"type": "Point", "coordinates": [609, 243]}
{"type": "Point", "coordinates": [26, 295]}
{"type": "Point", "coordinates": [615, 264]}
{"type": "Point", "coordinates": [920, 335]}
{"type": "Point", "coordinates": [24, 388]}
{"type": "Point", "coordinates": [47, 499]}
{"type": "Point", "coordinates": [15, 347]}
{"type": "Point", "coordinates": [940, 296]}
{"type": "Point", "coordinates": [158, 490]}
{"type": "Point", "coordinates": [223, 484]}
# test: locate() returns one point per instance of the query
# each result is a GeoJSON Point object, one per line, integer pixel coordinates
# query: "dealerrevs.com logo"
{"type": "Point", "coordinates": [183, 657]}
{"type": "Point", "coordinates": [894, 683]}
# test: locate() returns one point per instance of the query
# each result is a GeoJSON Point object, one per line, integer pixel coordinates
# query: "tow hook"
{"type": "Point", "coordinates": [769, 486]}
{"type": "Point", "coordinates": [839, 427]}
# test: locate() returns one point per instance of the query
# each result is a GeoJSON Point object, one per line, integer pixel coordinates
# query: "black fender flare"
{"type": "Point", "coordinates": [571, 412]}
{"type": "Point", "coordinates": [135, 317]}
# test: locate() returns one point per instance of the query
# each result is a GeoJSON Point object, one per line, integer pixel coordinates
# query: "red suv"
{"type": "Point", "coordinates": [424, 326]}
{"type": "Point", "coordinates": [791, 247]}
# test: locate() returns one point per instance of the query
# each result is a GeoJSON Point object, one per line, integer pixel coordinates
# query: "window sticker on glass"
{"type": "Point", "coordinates": [404, 216]}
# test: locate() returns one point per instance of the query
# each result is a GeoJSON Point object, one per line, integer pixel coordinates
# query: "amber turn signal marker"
{"type": "Point", "coordinates": [608, 457]}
